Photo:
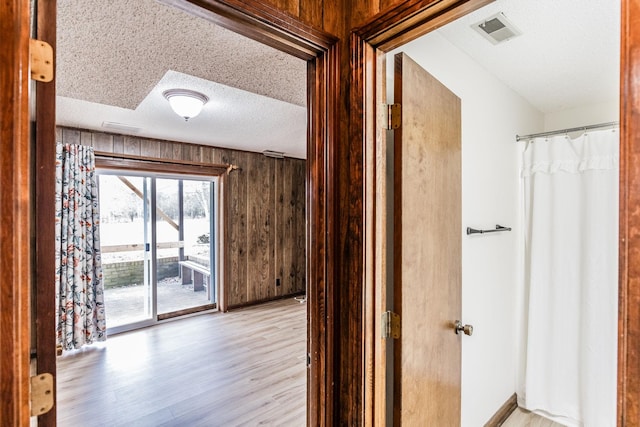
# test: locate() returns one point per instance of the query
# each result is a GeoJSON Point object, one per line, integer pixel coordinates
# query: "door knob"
{"type": "Point", "coordinates": [467, 329]}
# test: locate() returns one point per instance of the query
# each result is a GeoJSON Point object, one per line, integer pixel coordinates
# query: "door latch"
{"type": "Point", "coordinates": [459, 328]}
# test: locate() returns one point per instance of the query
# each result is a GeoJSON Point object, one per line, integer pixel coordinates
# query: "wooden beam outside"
{"type": "Point", "coordinates": [138, 193]}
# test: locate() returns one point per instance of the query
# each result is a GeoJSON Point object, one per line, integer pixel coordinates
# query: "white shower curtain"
{"type": "Point", "coordinates": [571, 241]}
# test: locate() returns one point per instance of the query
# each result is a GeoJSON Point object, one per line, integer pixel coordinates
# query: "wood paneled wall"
{"type": "Point", "coordinates": [265, 214]}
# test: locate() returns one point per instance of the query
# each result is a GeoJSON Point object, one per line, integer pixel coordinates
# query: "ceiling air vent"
{"type": "Point", "coordinates": [274, 154]}
{"type": "Point", "coordinates": [121, 127]}
{"type": "Point", "coordinates": [496, 28]}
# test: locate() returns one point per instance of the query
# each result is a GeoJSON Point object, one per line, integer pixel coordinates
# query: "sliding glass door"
{"type": "Point", "coordinates": [184, 245]}
{"type": "Point", "coordinates": [125, 245]}
{"type": "Point", "coordinates": [158, 239]}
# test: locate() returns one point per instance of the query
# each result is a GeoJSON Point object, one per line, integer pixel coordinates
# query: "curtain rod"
{"type": "Point", "coordinates": [556, 132]}
{"type": "Point", "coordinates": [120, 156]}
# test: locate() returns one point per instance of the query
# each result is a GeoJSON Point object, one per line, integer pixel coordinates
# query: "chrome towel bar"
{"type": "Point", "coordinates": [498, 228]}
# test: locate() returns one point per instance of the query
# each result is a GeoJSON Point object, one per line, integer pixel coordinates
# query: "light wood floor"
{"type": "Point", "coordinates": [523, 418]}
{"type": "Point", "coordinates": [245, 367]}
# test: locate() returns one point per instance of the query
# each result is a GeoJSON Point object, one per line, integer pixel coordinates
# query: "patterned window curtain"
{"type": "Point", "coordinates": [80, 316]}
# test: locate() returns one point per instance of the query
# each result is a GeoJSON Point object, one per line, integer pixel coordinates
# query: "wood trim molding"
{"type": "Point", "coordinates": [504, 412]}
{"type": "Point", "coordinates": [263, 22]}
{"type": "Point", "coordinates": [406, 22]}
{"type": "Point", "coordinates": [252, 18]}
{"type": "Point", "coordinates": [411, 19]}
{"type": "Point", "coordinates": [321, 98]}
{"type": "Point", "coordinates": [44, 292]}
{"type": "Point", "coordinates": [15, 207]}
{"type": "Point", "coordinates": [161, 166]}
{"type": "Point", "coordinates": [275, 298]}
{"type": "Point", "coordinates": [379, 270]}
{"type": "Point", "coordinates": [224, 247]}
{"type": "Point", "coordinates": [186, 311]}
{"type": "Point", "coordinates": [629, 222]}
{"type": "Point", "coordinates": [387, 30]}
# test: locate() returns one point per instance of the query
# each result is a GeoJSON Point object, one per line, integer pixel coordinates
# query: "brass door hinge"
{"type": "Point", "coordinates": [390, 325]}
{"type": "Point", "coordinates": [41, 394]}
{"type": "Point", "coordinates": [391, 116]}
{"type": "Point", "coordinates": [41, 60]}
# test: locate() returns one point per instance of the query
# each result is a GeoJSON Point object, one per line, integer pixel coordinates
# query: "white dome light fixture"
{"type": "Point", "coordinates": [185, 103]}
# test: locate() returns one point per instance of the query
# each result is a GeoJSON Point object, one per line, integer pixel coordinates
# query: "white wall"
{"type": "Point", "coordinates": [492, 114]}
{"type": "Point", "coordinates": [604, 112]}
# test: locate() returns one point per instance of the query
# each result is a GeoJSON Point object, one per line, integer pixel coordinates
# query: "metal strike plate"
{"type": "Point", "coordinates": [41, 394]}
{"type": "Point", "coordinates": [41, 60]}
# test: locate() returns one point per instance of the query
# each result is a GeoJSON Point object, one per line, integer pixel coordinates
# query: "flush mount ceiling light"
{"type": "Point", "coordinates": [185, 103]}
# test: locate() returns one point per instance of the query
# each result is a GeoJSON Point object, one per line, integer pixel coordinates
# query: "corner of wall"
{"type": "Point", "coordinates": [603, 112]}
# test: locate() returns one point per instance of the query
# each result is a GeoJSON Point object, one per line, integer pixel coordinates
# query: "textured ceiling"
{"type": "Point", "coordinates": [567, 56]}
{"type": "Point", "coordinates": [112, 55]}
{"type": "Point", "coordinates": [232, 118]}
{"type": "Point", "coordinates": [115, 52]}
{"type": "Point", "coordinates": [114, 59]}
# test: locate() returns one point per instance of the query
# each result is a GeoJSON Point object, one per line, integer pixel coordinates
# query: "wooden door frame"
{"type": "Point", "coordinates": [408, 21]}
{"type": "Point", "coordinates": [15, 211]}
{"type": "Point", "coordinates": [366, 44]}
{"type": "Point", "coordinates": [43, 176]}
{"type": "Point", "coordinates": [369, 44]}
{"type": "Point", "coordinates": [262, 22]}
{"type": "Point", "coordinates": [629, 238]}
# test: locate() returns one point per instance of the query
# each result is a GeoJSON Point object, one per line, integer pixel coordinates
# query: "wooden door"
{"type": "Point", "coordinates": [427, 249]}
